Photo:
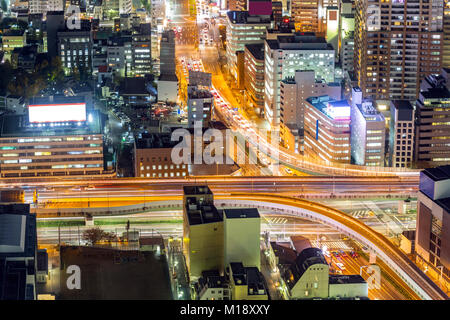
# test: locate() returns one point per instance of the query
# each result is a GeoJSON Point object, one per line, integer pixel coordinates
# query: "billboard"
{"type": "Point", "coordinates": [62, 112]}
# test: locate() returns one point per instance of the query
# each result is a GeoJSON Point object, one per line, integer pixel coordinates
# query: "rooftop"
{"type": "Point", "coordinates": [438, 173]}
{"type": "Point", "coordinates": [244, 17]}
{"type": "Point", "coordinates": [256, 50]}
{"type": "Point", "coordinates": [154, 141]}
{"type": "Point", "coordinates": [19, 126]}
{"type": "Point", "coordinates": [196, 190]}
{"type": "Point", "coordinates": [17, 231]}
{"type": "Point", "coordinates": [306, 258]}
{"type": "Point", "coordinates": [241, 213]}
{"type": "Point", "coordinates": [344, 279]}
{"type": "Point", "coordinates": [336, 110]}
{"type": "Point", "coordinates": [299, 41]}
{"type": "Point", "coordinates": [402, 105]}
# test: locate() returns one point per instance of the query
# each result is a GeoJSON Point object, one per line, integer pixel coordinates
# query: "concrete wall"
{"type": "Point", "coordinates": [242, 241]}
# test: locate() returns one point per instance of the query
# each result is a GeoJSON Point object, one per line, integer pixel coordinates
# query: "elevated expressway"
{"type": "Point", "coordinates": [416, 280]}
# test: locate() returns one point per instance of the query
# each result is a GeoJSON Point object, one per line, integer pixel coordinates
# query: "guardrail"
{"type": "Point", "coordinates": [391, 255]}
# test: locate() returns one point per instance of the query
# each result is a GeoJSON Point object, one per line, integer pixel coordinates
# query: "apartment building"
{"type": "Point", "coordinates": [397, 44]}
{"type": "Point", "coordinates": [401, 134]}
{"type": "Point", "coordinates": [432, 122]}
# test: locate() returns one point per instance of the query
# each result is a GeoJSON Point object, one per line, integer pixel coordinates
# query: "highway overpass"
{"type": "Point", "coordinates": [377, 243]}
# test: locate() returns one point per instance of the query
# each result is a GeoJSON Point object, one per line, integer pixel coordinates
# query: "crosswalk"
{"type": "Point", "coordinates": [360, 213]}
{"type": "Point", "coordinates": [276, 220]}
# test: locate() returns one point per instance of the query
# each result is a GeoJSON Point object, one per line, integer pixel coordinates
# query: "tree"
{"type": "Point", "coordinates": [93, 235]}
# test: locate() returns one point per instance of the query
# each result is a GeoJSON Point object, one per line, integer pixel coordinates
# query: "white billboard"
{"type": "Point", "coordinates": [57, 112]}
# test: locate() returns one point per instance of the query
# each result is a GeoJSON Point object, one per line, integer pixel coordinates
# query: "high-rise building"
{"type": "Point", "coordinates": [142, 55]}
{"type": "Point", "coordinates": [327, 129]}
{"type": "Point", "coordinates": [401, 134]}
{"type": "Point", "coordinates": [242, 29]}
{"type": "Point", "coordinates": [368, 131]}
{"type": "Point", "coordinates": [433, 223]}
{"type": "Point", "coordinates": [167, 57]}
{"type": "Point", "coordinates": [293, 94]}
{"type": "Point", "coordinates": [397, 44]}
{"type": "Point", "coordinates": [254, 76]}
{"type": "Point", "coordinates": [306, 15]}
{"type": "Point", "coordinates": [446, 47]}
{"type": "Point", "coordinates": [287, 54]}
{"type": "Point", "coordinates": [432, 137]}
{"type": "Point", "coordinates": [346, 35]}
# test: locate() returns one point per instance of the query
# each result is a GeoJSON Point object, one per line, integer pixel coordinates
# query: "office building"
{"type": "Point", "coordinates": [368, 131]}
{"type": "Point", "coordinates": [152, 157]}
{"type": "Point", "coordinates": [242, 229]}
{"type": "Point", "coordinates": [287, 54]}
{"type": "Point", "coordinates": [167, 56]}
{"type": "Point", "coordinates": [433, 223]}
{"type": "Point", "coordinates": [200, 106]}
{"type": "Point", "coordinates": [203, 231]}
{"type": "Point", "coordinates": [327, 129]}
{"type": "Point", "coordinates": [401, 134]}
{"type": "Point", "coordinates": [254, 77]}
{"type": "Point", "coordinates": [432, 122]}
{"type": "Point", "coordinates": [295, 90]}
{"type": "Point", "coordinates": [243, 29]}
{"type": "Point", "coordinates": [397, 44]}
{"type": "Point", "coordinates": [142, 57]}
{"type": "Point", "coordinates": [246, 283]}
{"type": "Point", "coordinates": [56, 138]}
{"type": "Point", "coordinates": [75, 50]}
{"type": "Point", "coordinates": [18, 252]}
{"type": "Point", "coordinates": [306, 15]}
